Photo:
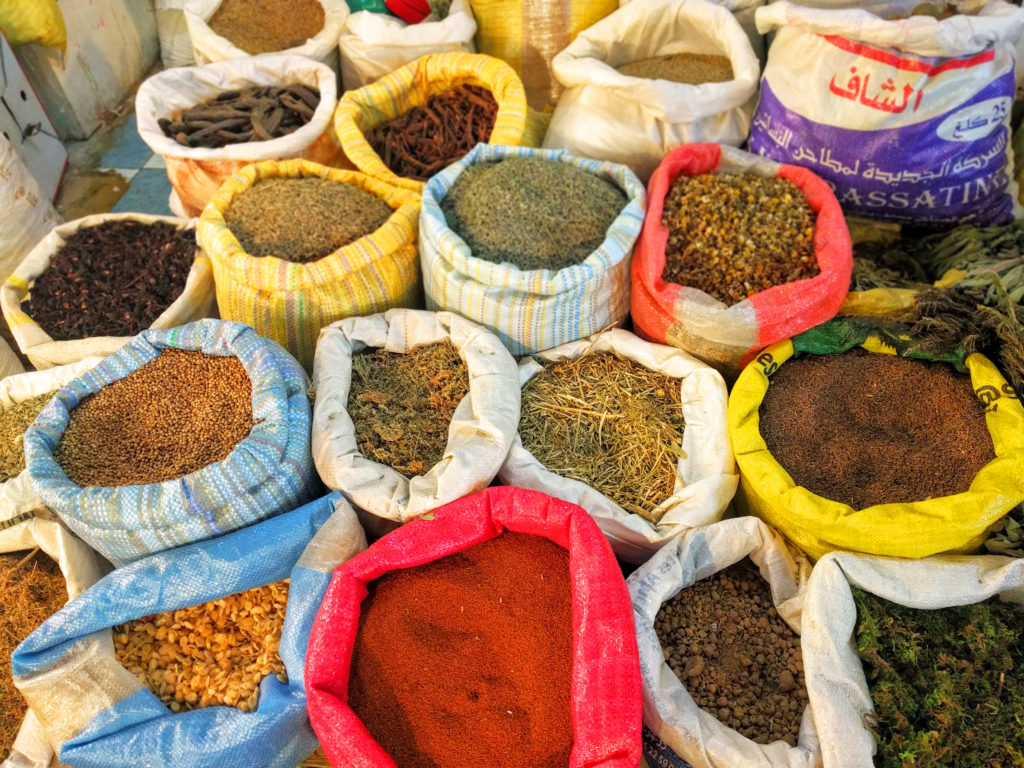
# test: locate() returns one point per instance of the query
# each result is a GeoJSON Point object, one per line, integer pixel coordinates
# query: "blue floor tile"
{"type": "Point", "coordinates": [131, 151]}
{"type": "Point", "coordinates": [148, 193]}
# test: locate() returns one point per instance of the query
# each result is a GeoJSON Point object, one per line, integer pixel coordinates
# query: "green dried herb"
{"type": "Point", "coordinates": [14, 420]}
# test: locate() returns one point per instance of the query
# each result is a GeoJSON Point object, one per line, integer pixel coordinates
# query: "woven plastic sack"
{"type": "Point", "coordinates": [196, 301]}
{"type": "Point", "coordinates": [636, 121]}
{"type": "Point", "coordinates": [919, 529]}
{"type": "Point", "coordinates": [374, 45]}
{"type": "Point", "coordinates": [530, 310]}
{"type": "Point", "coordinates": [172, 29]}
{"type": "Point", "coordinates": [100, 715]}
{"type": "Point", "coordinates": [33, 21]}
{"type": "Point", "coordinates": [605, 680]}
{"type": "Point", "coordinates": [706, 474]}
{"type": "Point", "coordinates": [208, 46]}
{"type": "Point", "coordinates": [291, 302]}
{"type": "Point", "coordinates": [197, 173]}
{"type": "Point", "coordinates": [669, 710]}
{"type": "Point", "coordinates": [479, 435]}
{"type": "Point", "coordinates": [268, 472]}
{"type": "Point", "coordinates": [10, 365]}
{"type": "Point", "coordinates": [835, 676]}
{"type": "Point", "coordinates": [728, 337]}
{"type": "Point", "coordinates": [411, 86]}
{"type": "Point", "coordinates": [25, 216]}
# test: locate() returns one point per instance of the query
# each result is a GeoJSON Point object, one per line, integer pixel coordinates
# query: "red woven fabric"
{"type": "Point", "coordinates": [606, 694]}
{"type": "Point", "coordinates": [410, 11]}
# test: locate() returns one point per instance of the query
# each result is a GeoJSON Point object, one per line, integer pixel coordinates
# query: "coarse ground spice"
{"type": "Point", "coordinates": [302, 220]}
{"type": "Point", "coordinates": [876, 436]}
{"type": "Point", "coordinates": [689, 68]}
{"type": "Point", "coordinates": [176, 414]}
{"type": "Point", "coordinates": [32, 589]}
{"type": "Point", "coordinates": [14, 420]}
{"type": "Point", "coordinates": [532, 213]}
{"type": "Point", "coordinates": [467, 661]}
{"type": "Point", "coordinates": [607, 422]}
{"type": "Point", "coordinates": [402, 404]}
{"type": "Point", "coordinates": [737, 658]}
{"type": "Point", "coordinates": [421, 142]}
{"type": "Point", "coordinates": [734, 235]}
{"type": "Point", "coordinates": [265, 26]}
{"type": "Point", "coordinates": [113, 279]}
{"type": "Point", "coordinates": [947, 685]}
{"type": "Point", "coordinates": [209, 654]}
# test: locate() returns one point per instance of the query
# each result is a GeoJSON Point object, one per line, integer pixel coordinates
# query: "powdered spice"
{"type": "Point", "coordinates": [689, 68]}
{"type": "Point", "coordinates": [467, 661]}
{"type": "Point", "coordinates": [266, 26]}
{"type": "Point", "coordinates": [877, 438]}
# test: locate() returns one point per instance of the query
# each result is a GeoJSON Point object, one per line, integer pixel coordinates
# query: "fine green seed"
{"type": "Point", "coordinates": [14, 420]}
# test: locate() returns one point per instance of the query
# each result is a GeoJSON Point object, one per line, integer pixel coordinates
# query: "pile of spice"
{"type": "Point", "coordinates": [947, 685]}
{"type": "Point", "coordinates": [402, 404]}
{"type": "Point", "coordinates": [734, 235]}
{"type": "Point", "coordinates": [266, 26]}
{"type": "Point", "coordinates": [609, 423]}
{"type": "Point", "coordinates": [14, 420]}
{"type": "Point", "coordinates": [876, 436]}
{"type": "Point", "coordinates": [176, 414]}
{"type": "Point", "coordinates": [257, 113]}
{"type": "Point", "coordinates": [532, 213]}
{"type": "Point", "coordinates": [32, 589]}
{"type": "Point", "coordinates": [113, 279]}
{"type": "Point", "coordinates": [689, 68]}
{"type": "Point", "coordinates": [210, 654]}
{"type": "Point", "coordinates": [303, 220]}
{"type": "Point", "coordinates": [467, 661]}
{"type": "Point", "coordinates": [737, 658]}
{"type": "Point", "coordinates": [421, 142]}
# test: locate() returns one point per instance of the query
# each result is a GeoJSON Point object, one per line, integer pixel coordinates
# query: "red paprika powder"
{"type": "Point", "coordinates": [467, 660]}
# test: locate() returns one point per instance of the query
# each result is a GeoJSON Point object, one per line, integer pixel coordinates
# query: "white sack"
{"type": "Point", "coordinates": [9, 362]}
{"type": "Point", "coordinates": [175, 43]}
{"type": "Point", "coordinates": [25, 216]}
{"type": "Point", "coordinates": [744, 11]}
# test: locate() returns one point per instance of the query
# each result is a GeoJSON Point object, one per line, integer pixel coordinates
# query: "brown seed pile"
{"type": "Point", "coordinates": [210, 654]}
{"type": "Point", "coordinates": [737, 658]}
{"type": "Point", "coordinates": [887, 429]}
{"type": "Point", "coordinates": [734, 235]}
{"type": "Point", "coordinates": [689, 68]}
{"type": "Point", "coordinates": [14, 420]}
{"type": "Point", "coordinates": [303, 220]}
{"type": "Point", "coordinates": [176, 414]}
{"type": "Point", "coordinates": [32, 589]}
{"type": "Point", "coordinates": [265, 26]}
{"type": "Point", "coordinates": [402, 404]}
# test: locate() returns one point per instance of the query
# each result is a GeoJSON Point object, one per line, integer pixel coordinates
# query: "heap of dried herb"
{"type": "Point", "coordinates": [609, 423]}
{"type": "Point", "coordinates": [947, 685]}
{"type": "Point", "coordinates": [402, 404]}
{"type": "Point", "coordinates": [690, 68]}
{"type": "Point", "coordinates": [14, 420]}
{"type": "Point", "coordinates": [265, 26]}
{"type": "Point", "coordinates": [1007, 536]}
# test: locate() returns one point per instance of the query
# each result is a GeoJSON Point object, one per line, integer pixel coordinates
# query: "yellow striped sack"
{"type": "Point", "coordinates": [290, 302]}
{"type": "Point", "coordinates": [410, 86]}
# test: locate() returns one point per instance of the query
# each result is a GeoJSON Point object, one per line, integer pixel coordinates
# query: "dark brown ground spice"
{"type": "Point", "coordinates": [467, 661]}
{"type": "Point", "coordinates": [14, 420]}
{"type": "Point", "coordinates": [734, 235]}
{"type": "Point", "coordinates": [737, 658]}
{"type": "Point", "coordinates": [886, 429]}
{"type": "Point", "coordinates": [265, 26]}
{"type": "Point", "coordinates": [176, 414]}
{"type": "Point", "coordinates": [402, 404]}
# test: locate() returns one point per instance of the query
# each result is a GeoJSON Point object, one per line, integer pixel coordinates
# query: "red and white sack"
{"type": "Point", "coordinates": [729, 337]}
{"type": "Point", "coordinates": [908, 120]}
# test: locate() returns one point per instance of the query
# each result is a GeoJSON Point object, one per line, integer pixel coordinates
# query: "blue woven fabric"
{"type": "Point", "coordinates": [139, 730]}
{"type": "Point", "coordinates": [269, 471]}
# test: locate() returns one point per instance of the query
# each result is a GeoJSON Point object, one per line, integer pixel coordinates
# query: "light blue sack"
{"type": "Point", "coordinates": [268, 472]}
{"type": "Point", "coordinates": [101, 715]}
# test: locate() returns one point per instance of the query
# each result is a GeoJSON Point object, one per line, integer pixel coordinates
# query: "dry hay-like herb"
{"type": "Point", "coordinates": [402, 404]}
{"type": "Point", "coordinates": [32, 589]}
{"type": "Point", "coordinates": [609, 423]}
{"type": "Point", "coordinates": [14, 420]}
{"type": "Point", "coordinates": [689, 68]}
{"type": "Point", "coordinates": [303, 220]}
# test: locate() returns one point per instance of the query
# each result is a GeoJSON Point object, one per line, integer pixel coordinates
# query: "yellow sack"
{"type": "Point", "coordinates": [290, 302]}
{"type": "Point", "coordinates": [410, 86]}
{"type": "Point", "coordinates": [33, 21]}
{"type": "Point", "coordinates": [817, 525]}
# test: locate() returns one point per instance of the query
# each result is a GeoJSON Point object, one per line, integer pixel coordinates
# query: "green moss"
{"type": "Point", "coordinates": [947, 685]}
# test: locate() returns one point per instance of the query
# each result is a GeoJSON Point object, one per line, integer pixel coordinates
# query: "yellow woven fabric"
{"type": "Point", "coordinates": [33, 21]}
{"type": "Point", "coordinates": [290, 302]}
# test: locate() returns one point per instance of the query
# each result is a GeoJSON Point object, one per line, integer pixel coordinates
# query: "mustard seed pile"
{"type": "Point", "coordinates": [14, 420]}
{"type": "Point", "coordinates": [689, 68]}
{"type": "Point", "coordinates": [266, 26]}
{"type": "Point", "coordinates": [176, 414]}
{"type": "Point", "coordinates": [210, 654]}
{"type": "Point", "coordinates": [734, 235]}
{"type": "Point", "coordinates": [303, 220]}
